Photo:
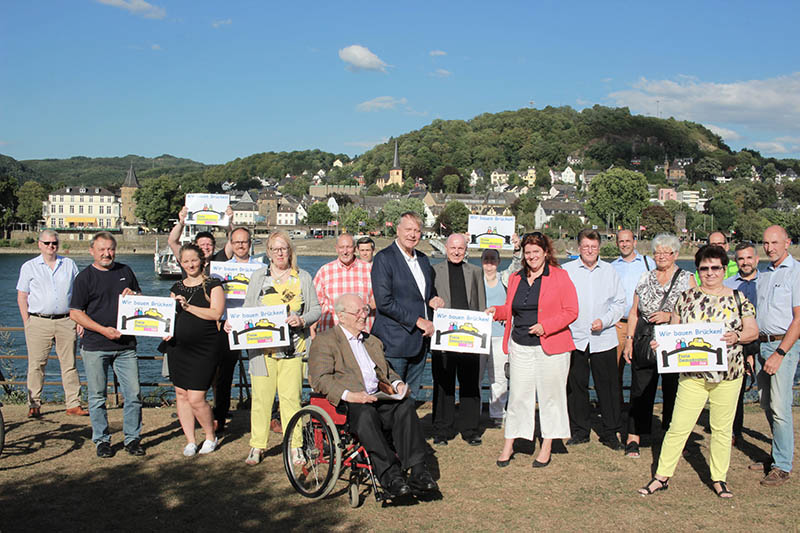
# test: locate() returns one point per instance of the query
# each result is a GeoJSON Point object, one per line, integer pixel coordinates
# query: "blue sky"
{"type": "Point", "coordinates": [214, 81]}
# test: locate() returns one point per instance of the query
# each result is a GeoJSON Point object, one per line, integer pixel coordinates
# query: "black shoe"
{"type": "Point", "coordinates": [577, 440]}
{"type": "Point", "coordinates": [496, 423]}
{"type": "Point", "coordinates": [503, 464]}
{"type": "Point", "coordinates": [397, 487]}
{"type": "Point", "coordinates": [439, 441]}
{"type": "Point", "coordinates": [104, 450]}
{"type": "Point", "coordinates": [537, 464]}
{"type": "Point", "coordinates": [474, 441]}
{"type": "Point", "coordinates": [134, 447]}
{"type": "Point", "coordinates": [422, 482]}
{"type": "Point", "coordinates": [613, 443]}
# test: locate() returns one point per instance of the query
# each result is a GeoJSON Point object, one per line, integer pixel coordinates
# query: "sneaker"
{"type": "Point", "coordinates": [298, 458]}
{"type": "Point", "coordinates": [255, 456]}
{"type": "Point", "coordinates": [104, 450]}
{"type": "Point", "coordinates": [190, 450]}
{"type": "Point", "coordinates": [134, 448]}
{"type": "Point", "coordinates": [775, 477]}
{"type": "Point", "coordinates": [208, 446]}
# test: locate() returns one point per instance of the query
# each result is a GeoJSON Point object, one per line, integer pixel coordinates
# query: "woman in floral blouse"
{"type": "Point", "coordinates": [711, 302]}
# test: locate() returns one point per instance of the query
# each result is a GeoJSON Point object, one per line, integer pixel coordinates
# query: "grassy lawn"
{"type": "Point", "coordinates": [50, 479]}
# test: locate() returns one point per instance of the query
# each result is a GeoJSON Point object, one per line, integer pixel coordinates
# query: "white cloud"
{"type": "Point", "coordinates": [413, 112]}
{"type": "Point", "coordinates": [434, 53]}
{"type": "Point", "coordinates": [768, 104]}
{"type": "Point", "coordinates": [366, 144]}
{"type": "Point", "coordinates": [219, 23]}
{"type": "Point", "coordinates": [779, 145]}
{"type": "Point", "coordinates": [725, 133]}
{"type": "Point", "coordinates": [441, 73]}
{"type": "Point", "coordinates": [155, 47]}
{"type": "Point", "coordinates": [360, 57]}
{"type": "Point", "coordinates": [138, 7]}
{"type": "Point", "coordinates": [381, 103]}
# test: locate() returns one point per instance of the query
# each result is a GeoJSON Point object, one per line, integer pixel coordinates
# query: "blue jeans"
{"type": "Point", "coordinates": [126, 368]}
{"type": "Point", "coordinates": [410, 370]}
{"type": "Point", "coordinates": [776, 400]}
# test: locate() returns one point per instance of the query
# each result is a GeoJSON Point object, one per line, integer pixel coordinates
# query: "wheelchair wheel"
{"type": "Point", "coordinates": [355, 495]}
{"type": "Point", "coordinates": [2, 430]}
{"type": "Point", "coordinates": [321, 449]}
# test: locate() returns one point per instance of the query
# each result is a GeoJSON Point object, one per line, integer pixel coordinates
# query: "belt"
{"type": "Point", "coordinates": [763, 337]}
{"type": "Point", "coordinates": [49, 317]}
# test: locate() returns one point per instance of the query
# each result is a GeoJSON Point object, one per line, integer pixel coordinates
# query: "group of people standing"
{"type": "Point", "coordinates": [554, 324]}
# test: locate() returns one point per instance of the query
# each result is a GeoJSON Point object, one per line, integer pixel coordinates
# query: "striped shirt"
{"type": "Point", "coordinates": [335, 279]}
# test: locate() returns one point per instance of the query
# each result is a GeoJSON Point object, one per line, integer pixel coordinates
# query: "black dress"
{"type": "Point", "coordinates": [194, 349]}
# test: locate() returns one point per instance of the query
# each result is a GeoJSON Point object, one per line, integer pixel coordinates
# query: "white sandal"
{"type": "Point", "coordinates": [298, 458]}
{"type": "Point", "coordinates": [255, 456]}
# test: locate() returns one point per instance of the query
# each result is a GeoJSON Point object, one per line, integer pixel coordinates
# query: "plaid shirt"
{"type": "Point", "coordinates": [335, 279]}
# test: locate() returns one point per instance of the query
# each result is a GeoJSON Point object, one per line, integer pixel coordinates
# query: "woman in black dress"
{"type": "Point", "coordinates": [194, 349]}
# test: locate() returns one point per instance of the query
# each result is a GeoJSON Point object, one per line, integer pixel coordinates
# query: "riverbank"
{"type": "Point", "coordinates": [51, 479]}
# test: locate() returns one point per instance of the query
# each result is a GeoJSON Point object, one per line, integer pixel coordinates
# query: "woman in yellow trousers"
{"type": "Point", "coordinates": [711, 302]}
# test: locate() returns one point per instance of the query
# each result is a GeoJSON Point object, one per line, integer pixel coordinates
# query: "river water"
{"type": "Point", "coordinates": [142, 265]}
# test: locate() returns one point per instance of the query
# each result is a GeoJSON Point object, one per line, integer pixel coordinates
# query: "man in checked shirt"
{"type": "Point", "coordinates": [344, 275]}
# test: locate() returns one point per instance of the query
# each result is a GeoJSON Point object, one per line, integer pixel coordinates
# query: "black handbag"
{"type": "Point", "coordinates": [643, 355]}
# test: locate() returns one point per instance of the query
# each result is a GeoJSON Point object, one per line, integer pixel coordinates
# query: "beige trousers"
{"type": "Point", "coordinates": [39, 336]}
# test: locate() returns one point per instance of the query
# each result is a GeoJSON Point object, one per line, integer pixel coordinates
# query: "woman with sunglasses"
{"type": "Point", "coordinates": [711, 302]}
{"type": "Point", "coordinates": [281, 369]}
{"type": "Point", "coordinates": [654, 298]}
{"type": "Point", "coordinates": [541, 303]}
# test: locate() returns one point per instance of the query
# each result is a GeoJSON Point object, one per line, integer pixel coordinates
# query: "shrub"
{"type": "Point", "coordinates": [609, 250]}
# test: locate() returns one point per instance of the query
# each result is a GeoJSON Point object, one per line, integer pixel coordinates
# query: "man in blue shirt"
{"type": "Point", "coordinates": [601, 302]}
{"type": "Point", "coordinates": [778, 318]}
{"type": "Point", "coordinates": [44, 290]}
{"type": "Point", "coordinates": [745, 281]}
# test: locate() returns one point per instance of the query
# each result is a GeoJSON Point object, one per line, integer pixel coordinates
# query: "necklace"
{"type": "Point", "coordinates": [282, 276]}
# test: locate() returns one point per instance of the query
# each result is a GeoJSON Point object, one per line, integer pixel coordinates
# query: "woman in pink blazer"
{"type": "Point", "coordinates": [540, 305]}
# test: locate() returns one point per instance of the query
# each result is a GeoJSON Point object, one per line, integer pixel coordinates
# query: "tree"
{"type": "Point", "coordinates": [564, 223]}
{"type": "Point", "coordinates": [157, 201]}
{"type": "Point", "coordinates": [297, 187]}
{"type": "Point", "coordinates": [724, 211]}
{"type": "Point", "coordinates": [749, 226]}
{"type": "Point", "coordinates": [355, 219]}
{"type": "Point", "coordinates": [319, 213]}
{"type": "Point", "coordinates": [526, 203]}
{"type": "Point", "coordinates": [451, 182]}
{"type": "Point", "coordinates": [706, 169]}
{"type": "Point", "coordinates": [394, 208]}
{"type": "Point", "coordinates": [453, 218]}
{"type": "Point", "coordinates": [656, 219]}
{"type": "Point", "coordinates": [30, 197]}
{"type": "Point", "coordinates": [791, 191]}
{"type": "Point", "coordinates": [618, 196]}
{"type": "Point", "coordinates": [8, 203]}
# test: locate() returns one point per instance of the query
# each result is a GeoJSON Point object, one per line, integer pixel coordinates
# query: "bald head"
{"type": "Point", "coordinates": [776, 244]}
{"type": "Point", "coordinates": [456, 248]}
{"type": "Point", "coordinates": [626, 244]}
{"type": "Point", "coordinates": [345, 248]}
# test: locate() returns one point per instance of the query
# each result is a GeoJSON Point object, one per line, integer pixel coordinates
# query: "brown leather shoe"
{"type": "Point", "coordinates": [775, 478]}
{"type": "Point", "coordinates": [77, 411]}
{"type": "Point", "coordinates": [275, 426]}
{"type": "Point", "coordinates": [35, 412]}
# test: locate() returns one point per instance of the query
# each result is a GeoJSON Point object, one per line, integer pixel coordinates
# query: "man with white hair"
{"type": "Point", "coordinates": [44, 291]}
{"type": "Point", "coordinates": [461, 286]}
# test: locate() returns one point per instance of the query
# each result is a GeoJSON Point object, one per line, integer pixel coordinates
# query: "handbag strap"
{"type": "Point", "coordinates": [738, 299]}
{"type": "Point", "coordinates": [671, 285]}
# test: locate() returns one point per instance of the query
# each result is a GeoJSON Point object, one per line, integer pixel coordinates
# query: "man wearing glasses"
{"type": "Point", "coordinates": [44, 291]}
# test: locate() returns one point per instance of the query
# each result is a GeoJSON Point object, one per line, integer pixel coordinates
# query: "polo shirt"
{"type": "Point", "coordinates": [778, 293]}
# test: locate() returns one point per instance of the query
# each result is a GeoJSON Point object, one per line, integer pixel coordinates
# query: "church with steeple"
{"type": "Point", "coordinates": [128, 207]}
{"type": "Point", "coordinates": [395, 175]}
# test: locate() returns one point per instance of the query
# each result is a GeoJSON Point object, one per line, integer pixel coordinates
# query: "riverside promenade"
{"type": "Point", "coordinates": [50, 479]}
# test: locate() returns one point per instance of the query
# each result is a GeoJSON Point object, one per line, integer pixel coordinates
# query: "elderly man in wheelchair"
{"type": "Point", "coordinates": [347, 365]}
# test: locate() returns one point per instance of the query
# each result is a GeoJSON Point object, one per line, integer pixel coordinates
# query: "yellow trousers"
{"type": "Point", "coordinates": [689, 403]}
{"type": "Point", "coordinates": [285, 375]}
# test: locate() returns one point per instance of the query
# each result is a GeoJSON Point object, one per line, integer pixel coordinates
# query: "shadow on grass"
{"type": "Point", "coordinates": [191, 495]}
{"type": "Point", "coordinates": [65, 438]}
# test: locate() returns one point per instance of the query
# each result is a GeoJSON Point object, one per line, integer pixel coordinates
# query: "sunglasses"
{"type": "Point", "coordinates": [707, 269]}
{"type": "Point", "coordinates": [49, 243]}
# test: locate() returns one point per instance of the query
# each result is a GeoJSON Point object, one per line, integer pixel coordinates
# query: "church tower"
{"type": "Point", "coordinates": [128, 208]}
{"type": "Point", "coordinates": [395, 174]}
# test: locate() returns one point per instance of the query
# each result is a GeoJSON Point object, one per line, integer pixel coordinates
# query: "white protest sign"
{"type": "Point", "coordinates": [457, 330]}
{"type": "Point", "coordinates": [487, 231]}
{"type": "Point", "coordinates": [258, 327]}
{"type": "Point", "coordinates": [235, 277]}
{"type": "Point", "coordinates": [146, 316]}
{"type": "Point", "coordinates": [692, 347]}
{"type": "Point", "coordinates": [207, 209]}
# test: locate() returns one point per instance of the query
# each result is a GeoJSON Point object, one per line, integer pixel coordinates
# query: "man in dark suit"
{"type": "Point", "coordinates": [460, 285]}
{"type": "Point", "coordinates": [347, 366]}
{"type": "Point", "coordinates": [402, 284]}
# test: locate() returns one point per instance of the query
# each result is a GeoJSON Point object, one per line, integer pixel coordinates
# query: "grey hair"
{"type": "Point", "coordinates": [666, 240]}
{"type": "Point", "coordinates": [338, 304]}
{"type": "Point", "coordinates": [51, 232]}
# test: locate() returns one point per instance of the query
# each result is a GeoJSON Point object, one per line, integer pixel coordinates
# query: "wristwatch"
{"type": "Point", "coordinates": [780, 352]}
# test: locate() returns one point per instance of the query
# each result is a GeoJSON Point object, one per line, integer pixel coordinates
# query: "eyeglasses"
{"type": "Point", "coordinates": [49, 243]}
{"type": "Point", "coordinates": [362, 311]}
{"type": "Point", "coordinates": [279, 250]}
{"type": "Point", "coordinates": [663, 254]}
{"type": "Point", "coordinates": [590, 248]}
{"type": "Point", "coordinates": [707, 269]}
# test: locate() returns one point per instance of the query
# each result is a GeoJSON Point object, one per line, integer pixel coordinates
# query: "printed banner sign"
{"type": "Point", "coordinates": [146, 316]}
{"type": "Point", "coordinates": [207, 209]}
{"type": "Point", "coordinates": [235, 277]}
{"type": "Point", "coordinates": [258, 327]}
{"type": "Point", "coordinates": [488, 231]}
{"type": "Point", "coordinates": [461, 331]}
{"type": "Point", "coordinates": [694, 347]}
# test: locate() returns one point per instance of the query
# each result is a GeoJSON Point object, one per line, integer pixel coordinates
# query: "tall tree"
{"type": "Point", "coordinates": [656, 219]}
{"type": "Point", "coordinates": [30, 197]}
{"type": "Point", "coordinates": [453, 218]}
{"type": "Point", "coordinates": [618, 195]}
{"type": "Point", "coordinates": [355, 219]}
{"type": "Point", "coordinates": [319, 213]}
{"type": "Point", "coordinates": [8, 203]}
{"type": "Point", "coordinates": [157, 201]}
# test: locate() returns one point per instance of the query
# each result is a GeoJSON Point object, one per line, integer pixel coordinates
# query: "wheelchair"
{"type": "Point", "coordinates": [2, 429]}
{"type": "Point", "coordinates": [328, 447]}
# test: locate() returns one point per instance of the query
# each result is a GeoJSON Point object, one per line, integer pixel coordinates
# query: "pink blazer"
{"type": "Point", "coordinates": [558, 308]}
